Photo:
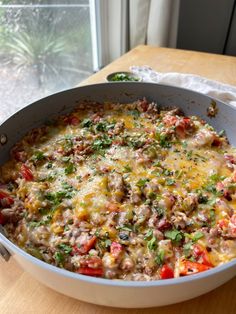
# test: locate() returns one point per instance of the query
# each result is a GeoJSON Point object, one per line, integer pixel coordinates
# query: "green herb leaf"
{"type": "Point", "coordinates": [70, 168]}
{"type": "Point", "coordinates": [102, 143]}
{"type": "Point", "coordinates": [57, 197]}
{"type": "Point", "coordinates": [59, 257]}
{"type": "Point", "coordinates": [125, 228]}
{"type": "Point", "coordinates": [159, 259]}
{"type": "Point", "coordinates": [197, 235]}
{"type": "Point", "coordinates": [66, 248]}
{"type": "Point", "coordinates": [127, 168]}
{"type": "Point", "coordinates": [170, 181]}
{"type": "Point", "coordinates": [174, 235]}
{"type": "Point", "coordinates": [163, 140]}
{"type": "Point", "coordinates": [101, 127]}
{"type": "Point", "coordinates": [38, 156]}
{"type": "Point", "coordinates": [149, 234]}
{"type": "Point", "coordinates": [142, 182]}
{"type": "Point", "coordinates": [187, 248]}
{"type": "Point", "coordinates": [86, 123]}
{"type": "Point", "coordinates": [152, 244]}
{"type": "Point", "coordinates": [189, 155]}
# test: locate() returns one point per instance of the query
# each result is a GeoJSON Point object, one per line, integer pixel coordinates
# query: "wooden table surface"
{"type": "Point", "coordinates": [20, 293]}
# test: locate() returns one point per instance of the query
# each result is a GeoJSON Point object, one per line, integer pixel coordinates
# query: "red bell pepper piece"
{"type": "Point", "coordinates": [201, 253]}
{"type": "Point", "coordinates": [189, 268]}
{"type": "Point", "coordinates": [85, 247]}
{"type": "Point", "coordinates": [26, 173]}
{"type": "Point", "coordinates": [166, 272]}
{"type": "Point", "coordinates": [96, 272]}
{"type": "Point", "coordinates": [5, 199]}
{"type": "Point", "coordinates": [91, 266]}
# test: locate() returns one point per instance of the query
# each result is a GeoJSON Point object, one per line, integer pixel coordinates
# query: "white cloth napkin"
{"type": "Point", "coordinates": [223, 92]}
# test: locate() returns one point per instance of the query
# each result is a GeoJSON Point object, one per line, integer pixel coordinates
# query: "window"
{"type": "Point", "coordinates": [45, 46]}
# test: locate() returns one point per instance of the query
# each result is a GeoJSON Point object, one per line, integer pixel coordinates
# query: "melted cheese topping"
{"type": "Point", "coordinates": [123, 191]}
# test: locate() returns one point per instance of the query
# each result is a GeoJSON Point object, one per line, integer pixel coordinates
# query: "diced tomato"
{"type": "Point", "coordinates": [5, 199]}
{"type": "Point", "coordinates": [96, 272]}
{"type": "Point", "coordinates": [85, 247]}
{"type": "Point", "coordinates": [189, 268]}
{"type": "Point", "coordinates": [26, 173]}
{"type": "Point", "coordinates": [71, 120]}
{"type": "Point", "coordinates": [116, 249]}
{"type": "Point", "coordinates": [166, 272]}
{"type": "Point", "coordinates": [201, 253]}
{"type": "Point", "coordinates": [2, 219]}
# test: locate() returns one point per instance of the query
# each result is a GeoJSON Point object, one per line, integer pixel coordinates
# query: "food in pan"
{"type": "Point", "coordinates": [123, 191]}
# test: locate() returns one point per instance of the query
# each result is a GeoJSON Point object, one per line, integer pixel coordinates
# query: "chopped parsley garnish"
{"type": "Point", "coordinates": [151, 240]}
{"type": "Point", "coordinates": [70, 168]}
{"type": "Point", "coordinates": [65, 248]}
{"type": "Point", "coordinates": [187, 248]}
{"type": "Point", "coordinates": [163, 140]}
{"type": "Point", "coordinates": [170, 181]}
{"type": "Point", "coordinates": [38, 156]}
{"type": "Point", "coordinates": [197, 235]}
{"type": "Point", "coordinates": [86, 123]}
{"type": "Point", "coordinates": [189, 155]}
{"type": "Point", "coordinates": [59, 257]}
{"type": "Point", "coordinates": [57, 197]}
{"type": "Point", "coordinates": [102, 143]}
{"type": "Point", "coordinates": [127, 168]}
{"type": "Point", "coordinates": [142, 182]}
{"type": "Point", "coordinates": [125, 228]}
{"type": "Point", "coordinates": [152, 244]}
{"type": "Point", "coordinates": [174, 235]}
{"type": "Point", "coordinates": [159, 259]}
{"type": "Point", "coordinates": [148, 234]}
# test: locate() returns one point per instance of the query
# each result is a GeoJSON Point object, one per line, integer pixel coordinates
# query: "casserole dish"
{"type": "Point", "coordinates": [117, 293]}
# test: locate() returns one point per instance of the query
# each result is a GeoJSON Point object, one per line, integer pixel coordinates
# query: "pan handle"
{"type": "Point", "coordinates": [3, 251]}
